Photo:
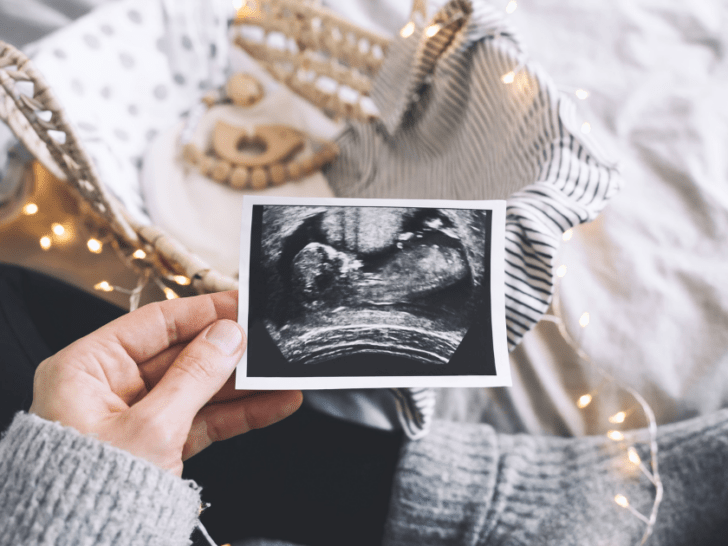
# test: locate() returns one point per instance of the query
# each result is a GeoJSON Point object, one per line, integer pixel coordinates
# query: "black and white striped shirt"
{"type": "Point", "coordinates": [464, 115]}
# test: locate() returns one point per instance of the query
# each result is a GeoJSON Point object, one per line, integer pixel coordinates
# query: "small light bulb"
{"type": "Point", "coordinates": [238, 4]}
{"type": "Point", "coordinates": [139, 254]}
{"type": "Point", "coordinates": [95, 246]}
{"type": "Point", "coordinates": [561, 271]}
{"type": "Point", "coordinates": [584, 320]}
{"type": "Point", "coordinates": [511, 7]}
{"type": "Point", "coordinates": [584, 401]}
{"type": "Point", "coordinates": [634, 457]}
{"type": "Point", "coordinates": [181, 280]}
{"type": "Point", "coordinates": [45, 242]}
{"type": "Point", "coordinates": [581, 93]}
{"type": "Point", "coordinates": [621, 500]}
{"type": "Point", "coordinates": [586, 127]}
{"type": "Point", "coordinates": [508, 78]}
{"type": "Point", "coordinates": [104, 287]}
{"type": "Point", "coordinates": [407, 30]}
{"type": "Point", "coordinates": [618, 417]}
{"type": "Point", "coordinates": [433, 29]}
{"type": "Point", "coordinates": [58, 229]}
{"type": "Point", "coordinates": [169, 293]}
{"type": "Point", "coordinates": [568, 234]}
{"type": "Point", "coordinates": [615, 435]}
{"type": "Point", "coordinates": [30, 209]}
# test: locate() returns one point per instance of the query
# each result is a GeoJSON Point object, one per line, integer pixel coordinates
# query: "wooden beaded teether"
{"type": "Point", "coordinates": [268, 157]}
{"type": "Point", "coordinates": [229, 164]}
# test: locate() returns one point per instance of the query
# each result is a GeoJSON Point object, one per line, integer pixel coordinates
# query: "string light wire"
{"type": "Point", "coordinates": [168, 292]}
{"type": "Point", "coordinates": [134, 294]}
{"type": "Point", "coordinates": [204, 533]}
{"type": "Point", "coordinates": [653, 475]}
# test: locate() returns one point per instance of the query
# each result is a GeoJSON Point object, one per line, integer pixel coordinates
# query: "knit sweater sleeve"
{"type": "Point", "coordinates": [59, 487]}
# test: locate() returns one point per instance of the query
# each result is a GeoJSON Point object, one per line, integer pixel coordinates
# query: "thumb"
{"type": "Point", "coordinates": [199, 372]}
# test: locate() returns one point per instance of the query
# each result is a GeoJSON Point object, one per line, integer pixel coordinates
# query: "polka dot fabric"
{"type": "Point", "coordinates": [128, 70]}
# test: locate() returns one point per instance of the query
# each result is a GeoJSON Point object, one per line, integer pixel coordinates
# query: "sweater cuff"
{"type": "Point", "coordinates": [58, 486]}
{"type": "Point", "coordinates": [464, 484]}
{"type": "Point", "coordinates": [444, 487]}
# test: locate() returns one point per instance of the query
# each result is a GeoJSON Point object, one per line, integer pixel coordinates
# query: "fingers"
{"type": "Point", "coordinates": [197, 374]}
{"type": "Point", "coordinates": [153, 370]}
{"type": "Point", "coordinates": [153, 328]}
{"type": "Point", "coordinates": [217, 422]}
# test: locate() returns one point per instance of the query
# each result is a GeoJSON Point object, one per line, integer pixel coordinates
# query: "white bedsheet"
{"type": "Point", "coordinates": [652, 270]}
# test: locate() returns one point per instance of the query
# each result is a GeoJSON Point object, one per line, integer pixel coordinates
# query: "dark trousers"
{"type": "Point", "coordinates": [310, 479]}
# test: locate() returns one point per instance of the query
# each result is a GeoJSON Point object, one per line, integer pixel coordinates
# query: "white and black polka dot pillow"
{"type": "Point", "coordinates": [128, 70]}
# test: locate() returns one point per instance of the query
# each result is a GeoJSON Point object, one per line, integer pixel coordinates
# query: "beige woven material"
{"type": "Point", "coordinates": [29, 108]}
{"type": "Point", "coordinates": [326, 46]}
{"type": "Point", "coordinates": [41, 125]}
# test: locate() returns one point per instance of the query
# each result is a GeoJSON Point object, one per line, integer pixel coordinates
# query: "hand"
{"type": "Point", "coordinates": [158, 382]}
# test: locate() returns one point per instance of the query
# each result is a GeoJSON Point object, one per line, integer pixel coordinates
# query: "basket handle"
{"type": "Point", "coordinates": [39, 122]}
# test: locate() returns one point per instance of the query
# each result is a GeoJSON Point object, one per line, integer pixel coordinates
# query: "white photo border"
{"type": "Point", "coordinates": [502, 377]}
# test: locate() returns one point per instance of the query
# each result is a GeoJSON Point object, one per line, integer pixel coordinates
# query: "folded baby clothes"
{"type": "Point", "coordinates": [464, 115]}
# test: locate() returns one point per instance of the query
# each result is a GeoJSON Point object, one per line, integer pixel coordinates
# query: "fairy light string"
{"type": "Point", "coordinates": [652, 472]}
{"type": "Point", "coordinates": [584, 400]}
{"type": "Point", "coordinates": [60, 232]}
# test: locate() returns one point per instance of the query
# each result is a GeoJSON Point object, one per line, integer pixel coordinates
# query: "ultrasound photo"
{"type": "Point", "coordinates": [369, 291]}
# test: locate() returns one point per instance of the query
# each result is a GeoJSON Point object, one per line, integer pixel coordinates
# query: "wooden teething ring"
{"type": "Point", "coordinates": [278, 142]}
{"type": "Point", "coordinates": [230, 160]}
{"type": "Point", "coordinates": [229, 165]}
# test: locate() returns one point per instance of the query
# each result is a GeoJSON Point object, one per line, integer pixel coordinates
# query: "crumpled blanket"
{"type": "Point", "coordinates": [651, 269]}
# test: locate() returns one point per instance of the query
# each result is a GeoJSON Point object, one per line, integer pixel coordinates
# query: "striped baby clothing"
{"type": "Point", "coordinates": [465, 115]}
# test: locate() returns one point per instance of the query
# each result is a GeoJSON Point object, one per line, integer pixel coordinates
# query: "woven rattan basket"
{"type": "Point", "coordinates": [325, 46]}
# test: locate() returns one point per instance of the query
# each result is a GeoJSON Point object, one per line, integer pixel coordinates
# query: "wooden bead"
{"type": "Point", "coordinates": [239, 178]}
{"type": "Point", "coordinates": [206, 164]}
{"type": "Point", "coordinates": [191, 153]}
{"type": "Point", "coordinates": [244, 90]}
{"type": "Point", "coordinates": [258, 178]}
{"type": "Point", "coordinates": [221, 171]}
{"type": "Point", "coordinates": [294, 171]}
{"type": "Point", "coordinates": [329, 153]}
{"type": "Point", "coordinates": [277, 174]}
{"type": "Point", "coordinates": [307, 165]}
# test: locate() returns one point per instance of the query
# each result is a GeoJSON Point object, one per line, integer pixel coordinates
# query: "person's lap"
{"type": "Point", "coordinates": [310, 479]}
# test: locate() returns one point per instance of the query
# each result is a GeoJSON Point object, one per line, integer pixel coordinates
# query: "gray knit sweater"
{"type": "Point", "coordinates": [462, 485]}
{"type": "Point", "coordinates": [59, 487]}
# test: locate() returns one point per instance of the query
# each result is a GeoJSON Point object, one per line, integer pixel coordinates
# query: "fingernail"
{"type": "Point", "coordinates": [226, 336]}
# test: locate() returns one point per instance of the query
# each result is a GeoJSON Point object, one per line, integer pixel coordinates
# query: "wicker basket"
{"type": "Point", "coordinates": [326, 46]}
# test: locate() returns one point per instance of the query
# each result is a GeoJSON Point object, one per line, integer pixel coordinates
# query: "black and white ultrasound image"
{"type": "Point", "coordinates": [367, 291]}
